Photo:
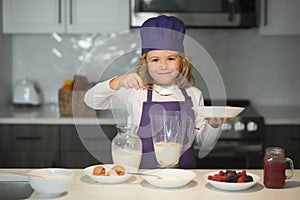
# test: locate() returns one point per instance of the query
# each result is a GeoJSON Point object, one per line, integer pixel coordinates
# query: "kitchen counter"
{"type": "Point", "coordinates": [49, 114]}
{"type": "Point", "coordinates": [136, 188]}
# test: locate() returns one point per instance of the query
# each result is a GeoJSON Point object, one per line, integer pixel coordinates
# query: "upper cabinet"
{"type": "Point", "coordinates": [280, 17]}
{"type": "Point", "coordinates": [65, 16]}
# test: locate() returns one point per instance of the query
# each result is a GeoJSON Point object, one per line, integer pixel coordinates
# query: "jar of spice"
{"type": "Point", "coordinates": [275, 167]}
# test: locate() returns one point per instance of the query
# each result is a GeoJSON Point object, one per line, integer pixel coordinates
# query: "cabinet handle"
{"type": "Point", "coordinates": [266, 13]}
{"type": "Point", "coordinates": [59, 11]}
{"type": "Point", "coordinates": [28, 138]}
{"type": "Point", "coordinates": [71, 13]}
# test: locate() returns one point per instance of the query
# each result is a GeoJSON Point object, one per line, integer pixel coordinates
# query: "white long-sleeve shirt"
{"type": "Point", "coordinates": [102, 97]}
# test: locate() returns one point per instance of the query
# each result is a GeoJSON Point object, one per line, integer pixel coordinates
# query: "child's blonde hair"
{"type": "Point", "coordinates": [183, 80]}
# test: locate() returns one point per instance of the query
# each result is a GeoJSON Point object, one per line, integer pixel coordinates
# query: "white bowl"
{"type": "Point", "coordinates": [232, 186]}
{"type": "Point", "coordinates": [218, 111]}
{"type": "Point", "coordinates": [170, 178]}
{"type": "Point", "coordinates": [110, 179]}
{"type": "Point", "coordinates": [53, 181]}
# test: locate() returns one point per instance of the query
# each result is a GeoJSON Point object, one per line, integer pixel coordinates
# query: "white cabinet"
{"type": "Point", "coordinates": [65, 16]}
{"type": "Point", "coordinates": [280, 17]}
{"type": "Point", "coordinates": [33, 16]}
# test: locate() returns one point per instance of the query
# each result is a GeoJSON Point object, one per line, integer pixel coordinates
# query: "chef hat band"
{"type": "Point", "coordinates": [162, 33]}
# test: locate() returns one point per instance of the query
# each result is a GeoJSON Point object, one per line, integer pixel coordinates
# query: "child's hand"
{"type": "Point", "coordinates": [216, 121]}
{"type": "Point", "coordinates": [132, 80]}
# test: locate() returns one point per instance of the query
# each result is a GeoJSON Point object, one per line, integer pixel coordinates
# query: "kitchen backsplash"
{"type": "Point", "coordinates": [50, 59]}
{"type": "Point", "coordinates": [263, 69]}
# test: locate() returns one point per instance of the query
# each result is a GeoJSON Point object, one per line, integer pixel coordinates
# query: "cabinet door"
{"type": "Point", "coordinates": [34, 137]}
{"type": "Point", "coordinates": [31, 159]}
{"type": "Point", "coordinates": [65, 16]}
{"type": "Point", "coordinates": [33, 16]}
{"type": "Point", "coordinates": [29, 145]}
{"type": "Point", "coordinates": [2, 158]}
{"type": "Point", "coordinates": [86, 145]}
{"type": "Point", "coordinates": [5, 130]}
{"type": "Point", "coordinates": [280, 17]}
{"type": "Point", "coordinates": [286, 136]}
{"type": "Point", "coordinates": [97, 16]}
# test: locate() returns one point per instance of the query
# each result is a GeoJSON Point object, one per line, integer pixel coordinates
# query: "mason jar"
{"type": "Point", "coordinates": [275, 167]}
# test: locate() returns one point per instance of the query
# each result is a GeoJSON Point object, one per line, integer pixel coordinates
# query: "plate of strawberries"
{"type": "Point", "coordinates": [231, 180]}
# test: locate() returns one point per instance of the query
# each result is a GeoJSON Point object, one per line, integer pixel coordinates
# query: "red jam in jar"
{"type": "Point", "coordinates": [275, 167]}
{"type": "Point", "coordinates": [274, 174]}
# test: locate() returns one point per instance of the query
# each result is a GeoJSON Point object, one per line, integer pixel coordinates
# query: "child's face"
{"type": "Point", "coordinates": [163, 66]}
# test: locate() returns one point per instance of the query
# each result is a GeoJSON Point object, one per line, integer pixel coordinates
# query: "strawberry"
{"type": "Point", "coordinates": [241, 179]}
{"type": "Point", "coordinates": [243, 172]}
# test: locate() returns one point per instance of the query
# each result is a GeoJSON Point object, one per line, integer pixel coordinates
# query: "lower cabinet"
{"type": "Point", "coordinates": [37, 146]}
{"type": "Point", "coordinates": [2, 155]}
{"type": "Point", "coordinates": [29, 146]}
{"type": "Point", "coordinates": [287, 137]}
{"type": "Point", "coordinates": [86, 145]}
{"type": "Point", "coordinates": [31, 159]}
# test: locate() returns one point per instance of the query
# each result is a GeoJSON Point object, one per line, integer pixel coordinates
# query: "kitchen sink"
{"type": "Point", "coordinates": [14, 186]}
{"type": "Point", "coordinates": [13, 190]}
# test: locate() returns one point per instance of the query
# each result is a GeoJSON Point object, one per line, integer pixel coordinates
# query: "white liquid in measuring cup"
{"type": "Point", "coordinates": [127, 157]}
{"type": "Point", "coordinates": [167, 153]}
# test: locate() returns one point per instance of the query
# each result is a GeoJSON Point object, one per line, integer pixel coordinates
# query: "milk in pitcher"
{"type": "Point", "coordinates": [167, 153]}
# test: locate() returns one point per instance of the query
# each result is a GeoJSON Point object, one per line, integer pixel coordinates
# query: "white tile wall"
{"type": "Point", "coordinates": [263, 69]}
{"type": "Point", "coordinates": [49, 61]}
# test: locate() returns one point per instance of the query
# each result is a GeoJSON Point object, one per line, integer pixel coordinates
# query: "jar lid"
{"type": "Point", "coordinates": [274, 150]}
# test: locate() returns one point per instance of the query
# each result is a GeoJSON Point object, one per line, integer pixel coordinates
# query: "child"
{"type": "Point", "coordinates": [162, 78]}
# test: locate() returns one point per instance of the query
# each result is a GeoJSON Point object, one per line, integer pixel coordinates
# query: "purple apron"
{"type": "Point", "coordinates": [187, 159]}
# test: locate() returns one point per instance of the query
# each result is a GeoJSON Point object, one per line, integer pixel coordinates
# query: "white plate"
{"type": "Point", "coordinates": [218, 111]}
{"type": "Point", "coordinates": [232, 186]}
{"type": "Point", "coordinates": [171, 178]}
{"type": "Point", "coordinates": [110, 179]}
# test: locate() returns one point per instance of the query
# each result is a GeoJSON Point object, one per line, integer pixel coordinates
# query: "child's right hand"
{"type": "Point", "coordinates": [132, 80]}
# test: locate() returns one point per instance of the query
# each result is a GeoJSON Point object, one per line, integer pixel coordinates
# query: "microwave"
{"type": "Point", "coordinates": [199, 13]}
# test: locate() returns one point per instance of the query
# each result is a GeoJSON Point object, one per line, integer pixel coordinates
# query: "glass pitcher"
{"type": "Point", "coordinates": [127, 146]}
{"type": "Point", "coordinates": [173, 133]}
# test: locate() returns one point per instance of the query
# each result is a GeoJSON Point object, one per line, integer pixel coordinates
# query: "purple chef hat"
{"type": "Point", "coordinates": [162, 33]}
